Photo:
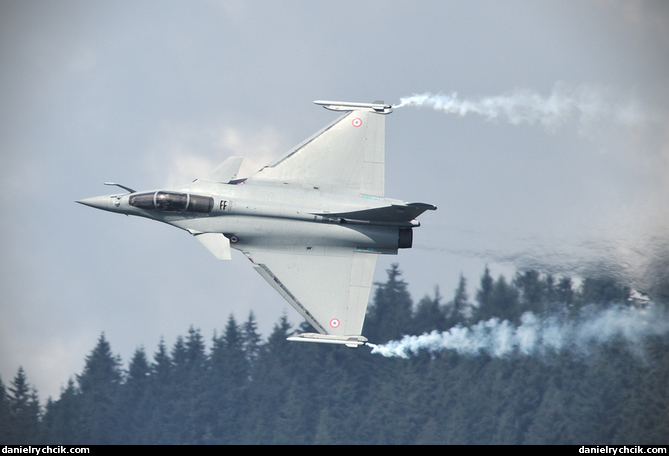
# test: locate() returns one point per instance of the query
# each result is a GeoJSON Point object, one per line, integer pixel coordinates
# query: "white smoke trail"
{"type": "Point", "coordinates": [589, 103]}
{"type": "Point", "coordinates": [537, 335]}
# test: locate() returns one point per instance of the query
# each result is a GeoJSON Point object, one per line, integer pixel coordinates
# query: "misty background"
{"type": "Point", "coordinates": [151, 94]}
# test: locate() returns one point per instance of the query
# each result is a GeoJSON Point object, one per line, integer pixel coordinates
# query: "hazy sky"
{"type": "Point", "coordinates": [156, 93]}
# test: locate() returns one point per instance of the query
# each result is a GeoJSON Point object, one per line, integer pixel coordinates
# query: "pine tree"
{"type": "Point", "coordinates": [393, 415]}
{"type": "Point", "coordinates": [102, 371]}
{"type": "Point", "coordinates": [6, 423]}
{"type": "Point", "coordinates": [251, 340]}
{"type": "Point", "coordinates": [645, 416]}
{"type": "Point", "coordinates": [461, 307]}
{"type": "Point", "coordinates": [272, 376]}
{"type": "Point", "coordinates": [518, 384]}
{"type": "Point", "coordinates": [191, 367]}
{"type": "Point", "coordinates": [504, 300]}
{"type": "Point", "coordinates": [99, 385]}
{"type": "Point", "coordinates": [139, 369]}
{"type": "Point", "coordinates": [62, 421]}
{"type": "Point", "coordinates": [232, 345]}
{"type": "Point", "coordinates": [551, 423]}
{"type": "Point", "coordinates": [161, 428]}
{"type": "Point", "coordinates": [564, 292]}
{"type": "Point", "coordinates": [429, 315]}
{"type": "Point", "coordinates": [603, 290]}
{"type": "Point", "coordinates": [497, 298]}
{"type": "Point", "coordinates": [196, 358]}
{"type": "Point", "coordinates": [324, 428]}
{"type": "Point", "coordinates": [161, 368]}
{"type": "Point", "coordinates": [24, 410]}
{"type": "Point", "coordinates": [533, 291]}
{"type": "Point", "coordinates": [389, 317]}
{"type": "Point", "coordinates": [288, 425]}
{"type": "Point", "coordinates": [227, 386]}
{"type": "Point", "coordinates": [335, 396]}
{"type": "Point", "coordinates": [277, 346]}
{"type": "Point", "coordinates": [135, 399]}
{"type": "Point", "coordinates": [484, 310]}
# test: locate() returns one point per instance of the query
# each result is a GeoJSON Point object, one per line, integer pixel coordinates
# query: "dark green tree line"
{"type": "Point", "coordinates": [240, 389]}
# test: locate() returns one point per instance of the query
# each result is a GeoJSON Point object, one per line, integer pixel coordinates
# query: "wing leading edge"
{"type": "Point", "coordinates": [347, 156]}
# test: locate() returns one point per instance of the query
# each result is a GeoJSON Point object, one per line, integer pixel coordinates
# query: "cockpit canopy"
{"type": "Point", "coordinates": [172, 202]}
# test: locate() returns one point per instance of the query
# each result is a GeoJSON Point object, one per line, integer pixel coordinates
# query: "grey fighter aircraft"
{"type": "Point", "coordinates": [312, 223]}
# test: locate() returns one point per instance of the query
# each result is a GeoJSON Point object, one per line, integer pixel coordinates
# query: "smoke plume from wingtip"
{"type": "Point", "coordinates": [540, 335]}
{"type": "Point", "coordinates": [588, 103]}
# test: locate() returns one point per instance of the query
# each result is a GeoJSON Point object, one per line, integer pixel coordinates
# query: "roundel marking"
{"type": "Point", "coordinates": [234, 239]}
{"type": "Point", "coordinates": [334, 323]}
{"type": "Point", "coordinates": [357, 122]}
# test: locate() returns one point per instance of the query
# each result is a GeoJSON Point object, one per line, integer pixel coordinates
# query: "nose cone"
{"type": "Point", "coordinates": [98, 202]}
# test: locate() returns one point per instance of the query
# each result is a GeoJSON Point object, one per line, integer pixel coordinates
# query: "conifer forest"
{"type": "Point", "coordinates": [239, 387]}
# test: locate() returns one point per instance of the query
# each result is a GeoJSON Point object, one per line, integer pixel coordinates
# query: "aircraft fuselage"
{"type": "Point", "coordinates": [252, 215]}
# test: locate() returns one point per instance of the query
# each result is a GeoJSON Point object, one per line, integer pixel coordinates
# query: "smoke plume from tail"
{"type": "Point", "coordinates": [527, 106]}
{"type": "Point", "coordinates": [540, 335]}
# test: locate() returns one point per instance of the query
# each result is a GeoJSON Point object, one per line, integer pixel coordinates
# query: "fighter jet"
{"type": "Point", "coordinates": [312, 223]}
